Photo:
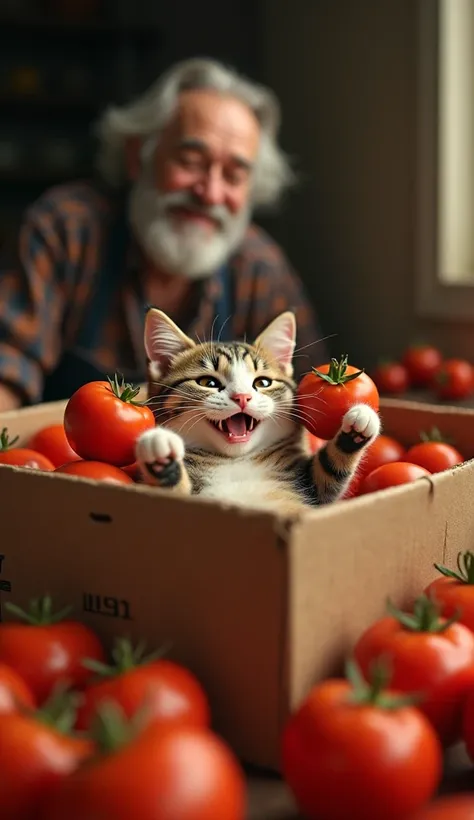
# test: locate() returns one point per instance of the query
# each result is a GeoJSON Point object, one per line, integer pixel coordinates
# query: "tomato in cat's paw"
{"type": "Point", "coordinates": [361, 421]}
{"type": "Point", "coordinates": [159, 446]}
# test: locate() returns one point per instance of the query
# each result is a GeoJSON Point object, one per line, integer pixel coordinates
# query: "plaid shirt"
{"type": "Point", "coordinates": [48, 282]}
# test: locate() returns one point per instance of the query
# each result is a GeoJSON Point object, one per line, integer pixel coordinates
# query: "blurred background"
{"type": "Point", "coordinates": [62, 61]}
{"type": "Point", "coordinates": [347, 75]}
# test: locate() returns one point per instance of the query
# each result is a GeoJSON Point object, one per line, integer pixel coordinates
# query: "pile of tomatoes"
{"type": "Point", "coordinates": [424, 367]}
{"type": "Point", "coordinates": [370, 745]}
{"type": "Point", "coordinates": [326, 393]}
{"type": "Point", "coordinates": [102, 421]}
{"type": "Point", "coordinates": [388, 463]}
{"type": "Point", "coordinates": [80, 738]}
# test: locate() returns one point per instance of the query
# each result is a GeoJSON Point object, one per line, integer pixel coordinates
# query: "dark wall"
{"type": "Point", "coordinates": [346, 73]}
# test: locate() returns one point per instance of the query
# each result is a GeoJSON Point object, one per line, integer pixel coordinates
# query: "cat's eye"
{"type": "Point", "coordinates": [209, 381]}
{"type": "Point", "coordinates": [262, 381]}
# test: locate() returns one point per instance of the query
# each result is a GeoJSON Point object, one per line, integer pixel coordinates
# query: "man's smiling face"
{"type": "Point", "coordinates": [191, 204]}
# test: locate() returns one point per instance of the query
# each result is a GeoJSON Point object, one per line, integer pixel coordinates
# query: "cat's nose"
{"type": "Point", "coordinates": [242, 399]}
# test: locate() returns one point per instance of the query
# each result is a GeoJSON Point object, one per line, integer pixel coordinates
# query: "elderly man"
{"type": "Point", "coordinates": [168, 224]}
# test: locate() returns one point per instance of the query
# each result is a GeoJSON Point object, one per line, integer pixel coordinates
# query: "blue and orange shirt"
{"type": "Point", "coordinates": [49, 279]}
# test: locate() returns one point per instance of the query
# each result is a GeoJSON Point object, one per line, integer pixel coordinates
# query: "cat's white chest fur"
{"type": "Point", "coordinates": [241, 482]}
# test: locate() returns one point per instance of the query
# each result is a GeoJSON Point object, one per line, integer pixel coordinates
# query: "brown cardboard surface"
{"type": "Point", "coordinates": [209, 580]}
{"type": "Point", "coordinates": [344, 564]}
{"type": "Point", "coordinates": [260, 607]}
{"type": "Point", "coordinates": [28, 420]}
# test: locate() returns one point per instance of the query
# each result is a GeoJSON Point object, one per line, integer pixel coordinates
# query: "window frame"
{"type": "Point", "coordinates": [434, 298]}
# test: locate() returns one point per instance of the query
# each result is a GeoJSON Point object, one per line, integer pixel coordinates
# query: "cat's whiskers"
{"type": "Point", "coordinates": [286, 403]}
{"type": "Point", "coordinates": [302, 413]}
{"type": "Point", "coordinates": [176, 389]}
{"type": "Point", "coordinates": [182, 407]}
{"type": "Point", "coordinates": [315, 394]}
{"type": "Point", "coordinates": [293, 415]}
{"type": "Point", "coordinates": [222, 328]}
{"type": "Point", "coordinates": [316, 342]}
{"type": "Point", "coordinates": [197, 417]}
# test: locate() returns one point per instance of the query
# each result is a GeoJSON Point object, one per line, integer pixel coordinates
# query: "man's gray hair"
{"type": "Point", "coordinates": [148, 115]}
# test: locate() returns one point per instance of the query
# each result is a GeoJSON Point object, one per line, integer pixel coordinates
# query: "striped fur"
{"type": "Point", "coordinates": [195, 387]}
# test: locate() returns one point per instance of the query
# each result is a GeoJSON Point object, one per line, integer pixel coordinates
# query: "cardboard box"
{"type": "Point", "coordinates": [259, 606]}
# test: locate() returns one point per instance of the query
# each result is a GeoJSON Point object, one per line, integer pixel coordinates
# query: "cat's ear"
{"type": "Point", "coordinates": [163, 342]}
{"type": "Point", "coordinates": [279, 339]}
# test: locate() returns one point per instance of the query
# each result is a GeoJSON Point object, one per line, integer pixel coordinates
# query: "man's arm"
{"type": "Point", "coordinates": [31, 304]}
{"type": "Point", "coordinates": [9, 399]}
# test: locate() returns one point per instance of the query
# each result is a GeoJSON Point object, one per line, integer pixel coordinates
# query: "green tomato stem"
{"type": "Point", "coordinates": [124, 391]}
{"type": "Point", "coordinates": [5, 442]}
{"type": "Point", "coordinates": [373, 692]}
{"type": "Point", "coordinates": [40, 612]}
{"type": "Point", "coordinates": [125, 657]}
{"type": "Point", "coordinates": [425, 616]}
{"type": "Point", "coordinates": [465, 565]}
{"type": "Point", "coordinates": [337, 372]}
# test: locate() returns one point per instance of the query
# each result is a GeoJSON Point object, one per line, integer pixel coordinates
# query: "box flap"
{"type": "Point", "coordinates": [29, 420]}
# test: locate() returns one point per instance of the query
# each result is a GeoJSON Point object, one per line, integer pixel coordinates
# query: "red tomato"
{"type": "Point", "coordinates": [422, 362]}
{"type": "Point", "coordinates": [47, 648]}
{"type": "Point", "coordinates": [434, 456]}
{"type": "Point", "coordinates": [455, 380]}
{"type": "Point", "coordinates": [103, 422]}
{"type": "Point", "coordinates": [351, 751]}
{"type": "Point", "coordinates": [454, 592]}
{"type": "Point", "coordinates": [174, 773]}
{"type": "Point", "coordinates": [326, 394]}
{"type": "Point", "coordinates": [454, 807]}
{"type": "Point", "coordinates": [391, 378]}
{"type": "Point", "coordinates": [383, 450]}
{"type": "Point", "coordinates": [390, 475]}
{"type": "Point", "coordinates": [15, 695]}
{"type": "Point", "coordinates": [315, 443]}
{"type": "Point", "coordinates": [21, 456]}
{"type": "Point", "coordinates": [97, 471]}
{"type": "Point", "coordinates": [133, 470]}
{"type": "Point", "coordinates": [428, 655]}
{"type": "Point", "coordinates": [169, 691]}
{"type": "Point", "coordinates": [36, 755]}
{"type": "Point", "coordinates": [52, 442]}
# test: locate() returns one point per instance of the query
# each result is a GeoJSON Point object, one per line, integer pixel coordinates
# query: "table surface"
{"type": "Point", "coordinates": [269, 798]}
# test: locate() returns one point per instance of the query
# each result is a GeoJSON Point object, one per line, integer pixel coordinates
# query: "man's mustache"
{"type": "Point", "coordinates": [185, 199]}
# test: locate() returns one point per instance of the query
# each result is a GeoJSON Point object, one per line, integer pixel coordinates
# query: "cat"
{"type": "Point", "coordinates": [227, 425]}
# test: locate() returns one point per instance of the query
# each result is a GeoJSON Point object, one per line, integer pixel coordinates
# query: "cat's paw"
{"type": "Point", "coordinates": [159, 454]}
{"type": "Point", "coordinates": [361, 423]}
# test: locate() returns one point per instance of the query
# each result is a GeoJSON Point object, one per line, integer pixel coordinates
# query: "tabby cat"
{"type": "Point", "coordinates": [228, 427]}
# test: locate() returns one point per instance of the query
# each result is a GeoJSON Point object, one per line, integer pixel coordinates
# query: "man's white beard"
{"type": "Point", "coordinates": [191, 250]}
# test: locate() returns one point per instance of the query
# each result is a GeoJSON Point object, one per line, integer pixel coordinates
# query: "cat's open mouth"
{"type": "Point", "coordinates": [237, 428]}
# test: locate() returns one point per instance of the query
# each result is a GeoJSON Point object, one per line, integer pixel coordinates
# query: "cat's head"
{"type": "Point", "coordinates": [231, 398]}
